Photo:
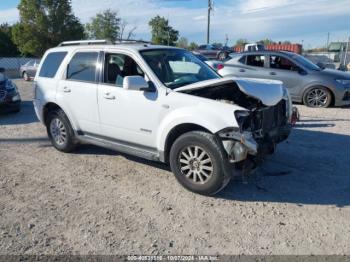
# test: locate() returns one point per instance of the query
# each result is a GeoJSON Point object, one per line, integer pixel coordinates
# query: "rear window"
{"type": "Point", "coordinates": [82, 67]}
{"type": "Point", "coordinates": [51, 64]}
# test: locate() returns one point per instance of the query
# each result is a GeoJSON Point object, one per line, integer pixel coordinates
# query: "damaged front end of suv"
{"type": "Point", "coordinates": [263, 120]}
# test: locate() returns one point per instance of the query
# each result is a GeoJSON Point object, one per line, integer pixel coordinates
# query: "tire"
{"type": "Point", "coordinates": [60, 131]}
{"type": "Point", "coordinates": [203, 170]}
{"type": "Point", "coordinates": [25, 76]}
{"type": "Point", "coordinates": [222, 56]}
{"type": "Point", "coordinates": [317, 97]}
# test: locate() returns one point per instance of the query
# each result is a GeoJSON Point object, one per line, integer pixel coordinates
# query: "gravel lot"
{"type": "Point", "coordinates": [96, 201]}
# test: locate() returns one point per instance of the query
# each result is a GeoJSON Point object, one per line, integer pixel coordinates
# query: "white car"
{"type": "Point", "coordinates": [163, 104]}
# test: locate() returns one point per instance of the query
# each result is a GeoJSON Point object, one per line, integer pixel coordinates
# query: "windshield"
{"type": "Point", "coordinates": [305, 62]}
{"type": "Point", "coordinates": [176, 67]}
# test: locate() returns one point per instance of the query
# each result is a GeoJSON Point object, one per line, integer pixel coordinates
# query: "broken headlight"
{"type": "Point", "coordinates": [242, 117]}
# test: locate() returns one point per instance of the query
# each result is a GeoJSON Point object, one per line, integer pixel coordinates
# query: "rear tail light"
{"type": "Point", "coordinates": [220, 66]}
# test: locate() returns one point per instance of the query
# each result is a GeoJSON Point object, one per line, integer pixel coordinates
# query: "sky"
{"type": "Point", "coordinates": [294, 20]}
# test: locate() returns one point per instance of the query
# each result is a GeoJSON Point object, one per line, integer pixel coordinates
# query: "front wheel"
{"type": "Point", "coordinates": [198, 162]}
{"type": "Point", "coordinates": [317, 97]}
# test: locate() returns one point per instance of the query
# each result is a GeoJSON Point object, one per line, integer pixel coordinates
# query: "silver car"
{"type": "Point", "coordinates": [28, 70]}
{"type": "Point", "coordinates": [306, 82]}
{"type": "Point", "coordinates": [215, 64]}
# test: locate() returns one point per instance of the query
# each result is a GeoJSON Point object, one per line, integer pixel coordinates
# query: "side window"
{"type": "Point", "coordinates": [280, 62]}
{"type": "Point", "coordinates": [202, 47]}
{"type": "Point", "coordinates": [82, 67]}
{"type": "Point", "coordinates": [256, 60]}
{"type": "Point", "coordinates": [118, 66]}
{"type": "Point", "coordinates": [51, 64]}
{"type": "Point", "coordinates": [242, 60]}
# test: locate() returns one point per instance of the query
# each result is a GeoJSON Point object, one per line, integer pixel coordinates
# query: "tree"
{"type": "Point", "coordinates": [44, 24]}
{"type": "Point", "coordinates": [241, 42]}
{"type": "Point", "coordinates": [162, 32]}
{"type": "Point", "coordinates": [192, 46]}
{"type": "Point", "coordinates": [123, 26]}
{"type": "Point", "coordinates": [182, 42]}
{"type": "Point", "coordinates": [7, 46]}
{"type": "Point", "coordinates": [266, 41]}
{"type": "Point", "coordinates": [105, 25]}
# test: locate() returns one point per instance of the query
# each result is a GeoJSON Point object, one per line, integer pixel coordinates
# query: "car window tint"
{"type": "Point", "coordinates": [256, 60]}
{"type": "Point", "coordinates": [118, 66]}
{"type": "Point", "coordinates": [280, 62]}
{"type": "Point", "coordinates": [82, 67]}
{"type": "Point", "coordinates": [51, 64]}
{"type": "Point", "coordinates": [242, 60]}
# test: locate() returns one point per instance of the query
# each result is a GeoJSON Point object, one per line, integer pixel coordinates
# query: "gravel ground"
{"type": "Point", "coordinates": [97, 201]}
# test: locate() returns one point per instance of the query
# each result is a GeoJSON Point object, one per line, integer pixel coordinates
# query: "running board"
{"type": "Point", "coordinates": [120, 147]}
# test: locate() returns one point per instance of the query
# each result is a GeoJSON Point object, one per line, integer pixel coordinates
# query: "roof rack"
{"type": "Point", "coordinates": [131, 41]}
{"type": "Point", "coordinates": [86, 42]}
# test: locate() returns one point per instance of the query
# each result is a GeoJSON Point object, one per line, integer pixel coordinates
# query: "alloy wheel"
{"type": "Point", "coordinates": [317, 97]}
{"type": "Point", "coordinates": [196, 164]}
{"type": "Point", "coordinates": [58, 131]}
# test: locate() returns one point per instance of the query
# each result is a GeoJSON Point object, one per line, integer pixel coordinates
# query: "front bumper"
{"type": "Point", "coordinates": [342, 96]}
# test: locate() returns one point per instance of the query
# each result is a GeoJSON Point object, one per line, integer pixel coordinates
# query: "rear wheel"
{"type": "Point", "coordinates": [222, 56]}
{"type": "Point", "coordinates": [26, 76]}
{"type": "Point", "coordinates": [60, 131]}
{"type": "Point", "coordinates": [198, 162]}
{"type": "Point", "coordinates": [317, 97]}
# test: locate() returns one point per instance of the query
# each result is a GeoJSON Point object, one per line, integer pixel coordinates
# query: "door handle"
{"type": "Point", "coordinates": [272, 73]}
{"type": "Point", "coordinates": [108, 96]}
{"type": "Point", "coordinates": [241, 70]}
{"type": "Point", "coordinates": [66, 89]}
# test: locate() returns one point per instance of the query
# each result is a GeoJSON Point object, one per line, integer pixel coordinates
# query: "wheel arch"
{"type": "Point", "coordinates": [51, 106]}
{"type": "Point", "coordinates": [176, 132]}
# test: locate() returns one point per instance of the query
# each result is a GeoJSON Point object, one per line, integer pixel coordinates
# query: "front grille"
{"type": "Point", "coordinates": [2, 94]}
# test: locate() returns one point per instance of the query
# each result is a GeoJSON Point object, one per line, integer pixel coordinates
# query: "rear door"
{"type": "Point", "coordinates": [77, 92]}
{"type": "Point", "coordinates": [256, 66]}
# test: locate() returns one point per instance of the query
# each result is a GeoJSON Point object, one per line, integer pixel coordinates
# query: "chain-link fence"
{"type": "Point", "coordinates": [12, 65]}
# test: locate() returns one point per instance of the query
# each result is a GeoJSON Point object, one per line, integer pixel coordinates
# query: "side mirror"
{"type": "Point", "coordinates": [137, 83]}
{"type": "Point", "coordinates": [2, 70]}
{"type": "Point", "coordinates": [301, 71]}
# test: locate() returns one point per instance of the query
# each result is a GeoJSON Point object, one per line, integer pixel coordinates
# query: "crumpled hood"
{"type": "Point", "coordinates": [269, 92]}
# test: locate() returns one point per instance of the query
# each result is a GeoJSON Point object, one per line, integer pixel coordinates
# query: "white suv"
{"type": "Point", "coordinates": [163, 104]}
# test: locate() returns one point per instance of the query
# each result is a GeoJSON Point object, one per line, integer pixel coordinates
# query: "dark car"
{"type": "Point", "coordinates": [307, 83]}
{"type": "Point", "coordinates": [10, 100]}
{"type": "Point", "coordinates": [214, 52]}
{"type": "Point", "coordinates": [28, 70]}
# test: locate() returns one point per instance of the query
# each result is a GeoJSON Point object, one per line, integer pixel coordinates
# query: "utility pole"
{"type": "Point", "coordinates": [208, 28]}
{"type": "Point", "coordinates": [346, 51]}
{"type": "Point", "coordinates": [327, 45]}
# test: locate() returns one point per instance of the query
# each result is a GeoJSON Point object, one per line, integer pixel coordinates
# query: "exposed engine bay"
{"type": "Point", "coordinates": [261, 126]}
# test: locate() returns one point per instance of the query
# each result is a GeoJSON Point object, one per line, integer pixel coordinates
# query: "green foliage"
{"type": "Point", "coordinates": [192, 46]}
{"type": "Point", "coordinates": [44, 24]}
{"type": "Point", "coordinates": [7, 47]}
{"type": "Point", "coordinates": [105, 25]}
{"type": "Point", "coordinates": [182, 42]}
{"type": "Point", "coordinates": [266, 41]}
{"type": "Point", "coordinates": [241, 42]}
{"type": "Point", "coordinates": [162, 32]}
